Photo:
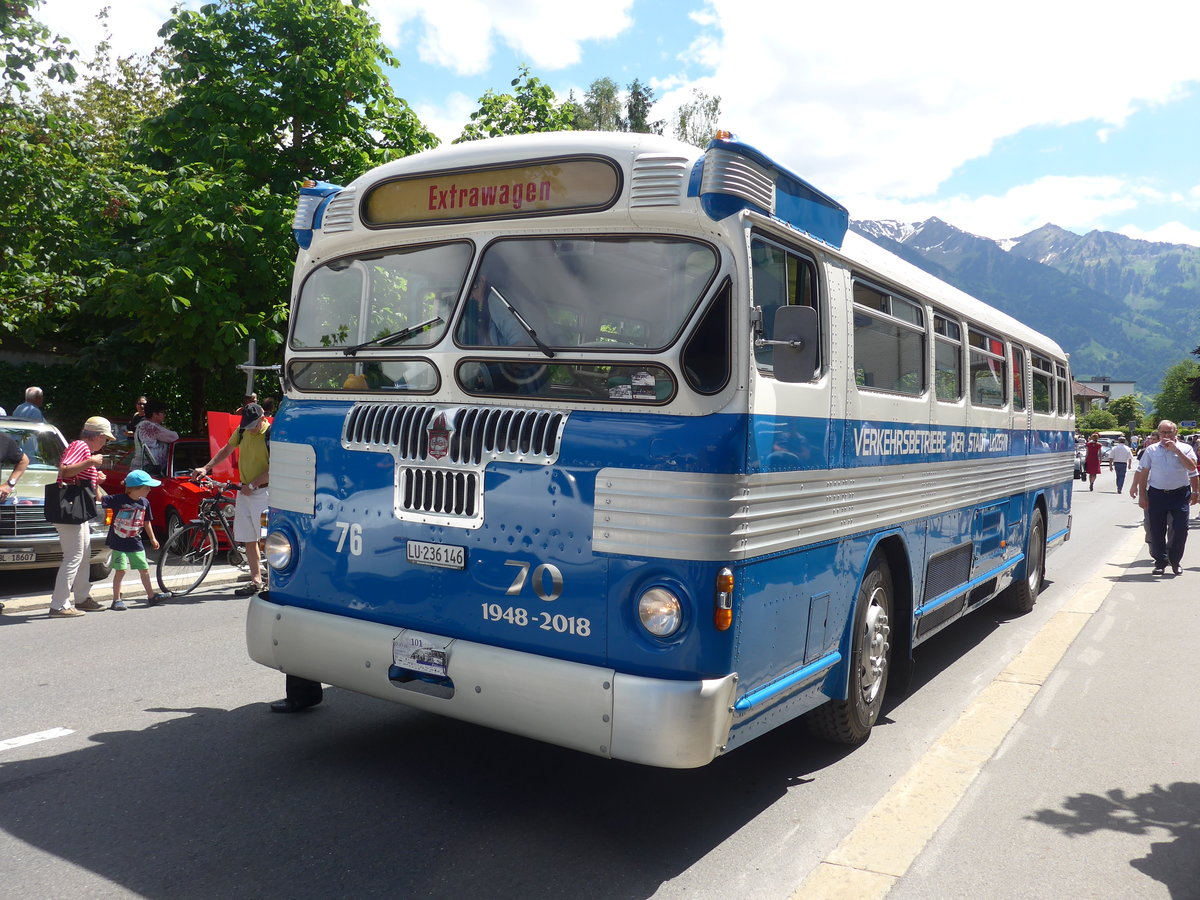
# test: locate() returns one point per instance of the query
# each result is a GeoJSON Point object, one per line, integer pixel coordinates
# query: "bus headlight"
{"type": "Point", "coordinates": [279, 550]}
{"type": "Point", "coordinates": [660, 612]}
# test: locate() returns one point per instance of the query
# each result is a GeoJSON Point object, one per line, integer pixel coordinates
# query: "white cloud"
{"type": "Point", "coordinates": [1171, 233]}
{"type": "Point", "coordinates": [134, 24]}
{"type": "Point", "coordinates": [888, 99]}
{"type": "Point", "coordinates": [447, 119]}
{"type": "Point", "coordinates": [457, 34]}
{"type": "Point", "coordinates": [1079, 204]}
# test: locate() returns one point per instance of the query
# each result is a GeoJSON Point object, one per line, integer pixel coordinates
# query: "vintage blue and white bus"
{"type": "Point", "coordinates": [634, 448]}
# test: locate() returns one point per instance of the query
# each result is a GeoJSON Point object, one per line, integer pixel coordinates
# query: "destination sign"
{"type": "Point", "coordinates": [546, 187]}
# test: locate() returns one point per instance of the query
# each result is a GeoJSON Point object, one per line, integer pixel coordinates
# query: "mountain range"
{"type": "Point", "coordinates": [1121, 307]}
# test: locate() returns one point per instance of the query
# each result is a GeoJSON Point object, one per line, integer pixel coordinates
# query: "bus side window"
{"type": "Point", "coordinates": [779, 278]}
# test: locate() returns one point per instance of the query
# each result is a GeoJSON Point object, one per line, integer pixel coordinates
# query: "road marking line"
{"type": "Point", "coordinates": [882, 847]}
{"type": "Point", "coordinates": [34, 738]}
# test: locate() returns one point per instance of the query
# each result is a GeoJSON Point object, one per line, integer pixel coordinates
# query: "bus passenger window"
{"type": "Point", "coordinates": [779, 278]}
{"type": "Point", "coordinates": [889, 342]}
{"type": "Point", "coordinates": [1043, 384]}
{"type": "Point", "coordinates": [1018, 372]}
{"type": "Point", "coordinates": [987, 370]}
{"type": "Point", "coordinates": [947, 359]}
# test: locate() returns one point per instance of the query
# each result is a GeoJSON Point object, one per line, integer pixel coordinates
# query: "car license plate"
{"type": "Point", "coordinates": [17, 556]}
{"type": "Point", "coordinates": [445, 556]}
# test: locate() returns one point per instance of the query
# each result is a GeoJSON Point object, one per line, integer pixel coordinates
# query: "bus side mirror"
{"type": "Point", "coordinates": [796, 340]}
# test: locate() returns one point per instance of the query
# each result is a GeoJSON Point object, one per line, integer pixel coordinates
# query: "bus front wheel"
{"type": "Point", "coordinates": [1020, 596]}
{"type": "Point", "coordinates": [849, 721]}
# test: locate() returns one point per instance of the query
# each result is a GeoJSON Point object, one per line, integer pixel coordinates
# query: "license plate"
{"type": "Point", "coordinates": [419, 652]}
{"type": "Point", "coordinates": [445, 556]}
{"type": "Point", "coordinates": [17, 556]}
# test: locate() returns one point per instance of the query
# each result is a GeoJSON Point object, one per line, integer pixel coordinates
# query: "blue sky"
{"type": "Point", "coordinates": [995, 118]}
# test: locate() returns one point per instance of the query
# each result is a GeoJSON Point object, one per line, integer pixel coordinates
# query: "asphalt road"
{"type": "Point", "coordinates": [175, 780]}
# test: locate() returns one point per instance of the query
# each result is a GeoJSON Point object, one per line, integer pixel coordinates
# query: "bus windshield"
{"type": "Point", "coordinates": [398, 297]}
{"type": "Point", "coordinates": [609, 293]}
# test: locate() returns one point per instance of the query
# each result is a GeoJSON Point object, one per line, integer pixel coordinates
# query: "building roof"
{"type": "Point", "coordinates": [1082, 390]}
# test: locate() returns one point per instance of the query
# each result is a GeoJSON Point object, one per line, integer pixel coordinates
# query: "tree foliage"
{"type": "Point", "coordinates": [26, 44]}
{"type": "Point", "coordinates": [1097, 419]}
{"type": "Point", "coordinates": [696, 121]}
{"type": "Point", "coordinates": [1126, 409]}
{"type": "Point", "coordinates": [62, 158]}
{"type": "Point", "coordinates": [602, 108]}
{"type": "Point", "coordinates": [530, 108]}
{"type": "Point", "coordinates": [266, 94]}
{"type": "Point", "coordinates": [1175, 401]}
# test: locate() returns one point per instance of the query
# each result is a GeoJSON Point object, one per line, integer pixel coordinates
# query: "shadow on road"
{"type": "Point", "coordinates": [1174, 809]}
{"type": "Point", "coordinates": [361, 798]}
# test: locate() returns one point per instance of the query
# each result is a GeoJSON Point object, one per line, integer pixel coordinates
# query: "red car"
{"type": "Point", "coordinates": [177, 502]}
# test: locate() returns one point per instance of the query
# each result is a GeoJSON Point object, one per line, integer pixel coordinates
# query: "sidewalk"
{"type": "Point", "coordinates": [101, 592]}
{"type": "Point", "coordinates": [1074, 774]}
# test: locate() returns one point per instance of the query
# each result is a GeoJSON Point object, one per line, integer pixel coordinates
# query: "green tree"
{"type": "Point", "coordinates": [1096, 420]}
{"type": "Point", "coordinates": [637, 109]}
{"type": "Point", "coordinates": [267, 93]}
{"type": "Point", "coordinates": [601, 107]}
{"type": "Point", "coordinates": [25, 44]}
{"type": "Point", "coordinates": [530, 108]}
{"type": "Point", "coordinates": [696, 121]}
{"type": "Point", "coordinates": [1126, 409]}
{"type": "Point", "coordinates": [1175, 400]}
{"type": "Point", "coordinates": [62, 158]}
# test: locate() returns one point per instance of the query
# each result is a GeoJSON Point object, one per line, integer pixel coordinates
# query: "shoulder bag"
{"type": "Point", "coordinates": [70, 504]}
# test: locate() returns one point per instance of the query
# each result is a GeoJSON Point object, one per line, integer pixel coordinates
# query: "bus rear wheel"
{"type": "Point", "coordinates": [849, 721]}
{"type": "Point", "coordinates": [1020, 596]}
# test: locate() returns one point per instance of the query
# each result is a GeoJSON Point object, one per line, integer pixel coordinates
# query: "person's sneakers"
{"type": "Point", "coordinates": [1159, 570]}
{"type": "Point", "coordinates": [157, 599]}
{"type": "Point", "coordinates": [1176, 570]}
{"type": "Point", "coordinates": [89, 605]}
{"type": "Point", "coordinates": [119, 605]}
{"type": "Point", "coordinates": [248, 590]}
{"type": "Point", "coordinates": [67, 612]}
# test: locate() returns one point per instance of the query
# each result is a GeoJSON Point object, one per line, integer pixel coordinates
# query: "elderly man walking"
{"type": "Point", "coordinates": [1166, 484]}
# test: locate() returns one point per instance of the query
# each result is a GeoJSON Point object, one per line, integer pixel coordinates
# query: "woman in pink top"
{"type": "Point", "coordinates": [79, 463]}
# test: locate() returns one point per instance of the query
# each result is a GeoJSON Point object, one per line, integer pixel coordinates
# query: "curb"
{"type": "Point", "coordinates": [102, 591]}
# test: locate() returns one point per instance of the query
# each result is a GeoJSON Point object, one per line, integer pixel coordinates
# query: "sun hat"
{"type": "Point", "coordinates": [140, 478]}
{"type": "Point", "coordinates": [99, 425]}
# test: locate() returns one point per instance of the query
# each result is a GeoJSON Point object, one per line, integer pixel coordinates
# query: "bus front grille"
{"type": "Point", "coordinates": [455, 435]}
{"type": "Point", "coordinates": [439, 492]}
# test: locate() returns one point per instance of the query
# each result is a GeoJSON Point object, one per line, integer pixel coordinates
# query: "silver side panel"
{"type": "Point", "coordinates": [293, 477]}
{"type": "Point", "coordinates": [677, 515]}
{"type": "Point", "coordinates": [644, 720]}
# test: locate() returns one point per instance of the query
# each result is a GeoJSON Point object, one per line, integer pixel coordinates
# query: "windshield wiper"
{"type": "Point", "coordinates": [524, 325]}
{"type": "Point", "coordinates": [395, 337]}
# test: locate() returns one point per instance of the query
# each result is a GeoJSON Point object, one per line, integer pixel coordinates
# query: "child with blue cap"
{"type": "Point", "coordinates": [131, 515]}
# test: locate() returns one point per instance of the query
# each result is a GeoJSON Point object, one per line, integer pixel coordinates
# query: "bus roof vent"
{"type": "Point", "coordinates": [339, 214]}
{"type": "Point", "coordinates": [726, 172]}
{"type": "Point", "coordinates": [455, 436]}
{"type": "Point", "coordinates": [658, 180]}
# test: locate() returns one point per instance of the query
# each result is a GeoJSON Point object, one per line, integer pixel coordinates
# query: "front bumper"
{"type": "Point", "coordinates": [652, 721]}
{"type": "Point", "coordinates": [46, 550]}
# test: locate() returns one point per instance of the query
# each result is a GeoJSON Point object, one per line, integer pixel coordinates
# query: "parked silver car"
{"type": "Point", "coordinates": [27, 540]}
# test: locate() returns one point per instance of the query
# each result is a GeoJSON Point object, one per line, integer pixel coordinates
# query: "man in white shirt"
{"type": "Point", "coordinates": [1120, 456]}
{"type": "Point", "coordinates": [1166, 484]}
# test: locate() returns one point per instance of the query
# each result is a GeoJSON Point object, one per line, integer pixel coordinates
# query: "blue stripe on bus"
{"type": "Point", "coordinates": [787, 682]}
{"type": "Point", "coordinates": [964, 588]}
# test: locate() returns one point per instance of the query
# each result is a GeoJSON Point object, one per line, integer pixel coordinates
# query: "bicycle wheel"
{"type": "Point", "coordinates": [185, 558]}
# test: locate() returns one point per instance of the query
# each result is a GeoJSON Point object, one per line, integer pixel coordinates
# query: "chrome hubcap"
{"type": "Point", "coordinates": [872, 661]}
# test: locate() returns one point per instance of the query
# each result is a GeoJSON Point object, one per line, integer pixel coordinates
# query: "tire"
{"type": "Point", "coordinates": [185, 558]}
{"type": "Point", "coordinates": [849, 721]}
{"type": "Point", "coordinates": [1020, 596]}
{"type": "Point", "coordinates": [99, 571]}
{"type": "Point", "coordinates": [174, 521]}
